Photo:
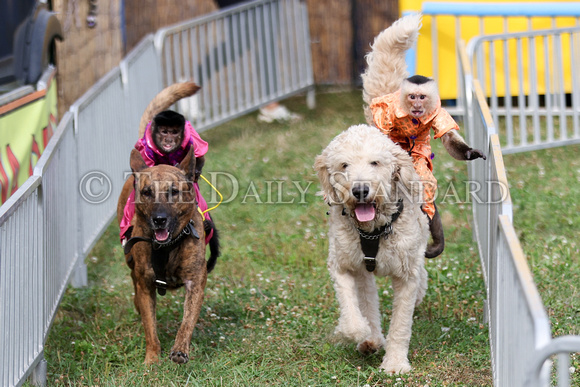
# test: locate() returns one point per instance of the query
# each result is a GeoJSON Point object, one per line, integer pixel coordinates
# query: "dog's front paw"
{"type": "Point", "coordinates": [396, 367]}
{"type": "Point", "coordinates": [151, 358]}
{"type": "Point", "coordinates": [353, 332]}
{"type": "Point", "coordinates": [368, 347]}
{"type": "Point", "coordinates": [179, 357]}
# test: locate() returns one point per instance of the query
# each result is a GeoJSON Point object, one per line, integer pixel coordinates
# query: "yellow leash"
{"type": "Point", "coordinates": [216, 190]}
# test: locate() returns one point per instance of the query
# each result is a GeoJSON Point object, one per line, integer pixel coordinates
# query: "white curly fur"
{"type": "Point", "coordinates": [363, 155]}
{"type": "Point", "coordinates": [386, 67]}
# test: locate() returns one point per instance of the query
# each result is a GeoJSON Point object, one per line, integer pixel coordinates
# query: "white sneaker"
{"type": "Point", "coordinates": [280, 113]}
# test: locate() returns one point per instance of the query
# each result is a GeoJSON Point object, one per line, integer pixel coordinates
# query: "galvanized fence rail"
{"type": "Point", "coordinates": [477, 14]}
{"type": "Point", "coordinates": [51, 223]}
{"type": "Point", "coordinates": [22, 302]}
{"type": "Point", "coordinates": [243, 57]}
{"type": "Point", "coordinates": [537, 102]}
{"type": "Point", "coordinates": [519, 330]}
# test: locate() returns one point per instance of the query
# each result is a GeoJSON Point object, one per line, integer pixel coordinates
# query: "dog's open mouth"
{"type": "Point", "coordinates": [161, 235]}
{"type": "Point", "coordinates": [365, 212]}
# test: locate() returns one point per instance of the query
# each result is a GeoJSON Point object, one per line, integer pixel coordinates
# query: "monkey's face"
{"type": "Point", "coordinates": [419, 96]}
{"type": "Point", "coordinates": [417, 104]}
{"type": "Point", "coordinates": [168, 138]}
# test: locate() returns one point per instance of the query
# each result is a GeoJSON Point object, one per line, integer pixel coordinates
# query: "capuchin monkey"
{"type": "Point", "coordinates": [408, 116]}
{"type": "Point", "coordinates": [167, 131]}
{"type": "Point", "coordinates": [419, 96]}
{"type": "Point", "coordinates": [407, 109]}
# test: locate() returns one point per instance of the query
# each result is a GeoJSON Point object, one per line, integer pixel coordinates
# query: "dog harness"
{"type": "Point", "coordinates": [369, 242]}
{"type": "Point", "coordinates": [160, 253]}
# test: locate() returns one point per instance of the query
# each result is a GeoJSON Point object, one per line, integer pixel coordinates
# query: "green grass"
{"type": "Point", "coordinates": [270, 309]}
{"type": "Point", "coordinates": [545, 188]}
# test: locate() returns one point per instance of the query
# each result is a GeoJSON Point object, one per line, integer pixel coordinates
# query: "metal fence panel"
{"type": "Point", "coordinates": [519, 329]}
{"type": "Point", "coordinates": [141, 75]}
{"type": "Point", "coordinates": [523, 325]}
{"type": "Point", "coordinates": [243, 57]}
{"type": "Point", "coordinates": [22, 313]}
{"type": "Point", "coordinates": [537, 105]}
{"type": "Point", "coordinates": [60, 195]}
{"type": "Point", "coordinates": [518, 324]}
{"type": "Point", "coordinates": [103, 155]}
{"type": "Point", "coordinates": [469, 20]}
{"type": "Point", "coordinates": [480, 135]}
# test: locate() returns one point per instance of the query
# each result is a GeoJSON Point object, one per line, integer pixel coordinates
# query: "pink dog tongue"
{"type": "Point", "coordinates": [364, 212]}
{"type": "Point", "coordinates": [161, 235]}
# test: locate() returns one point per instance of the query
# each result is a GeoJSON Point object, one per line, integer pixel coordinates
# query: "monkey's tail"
{"type": "Point", "coordinates": [214, 245]}
{"type": "Point", "coordinates": [164, 100]}
{"type": "Point", "coordinates": [386, 67]}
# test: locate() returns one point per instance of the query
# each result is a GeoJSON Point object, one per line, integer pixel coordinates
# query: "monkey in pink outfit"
{"type": "Point", "coordinates": [167, 140]}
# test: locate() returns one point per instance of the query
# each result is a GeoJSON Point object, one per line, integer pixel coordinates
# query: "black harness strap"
{"type": "Point", "coordinates": [132, 241]}
{"type": "Point", "coordinates": [159, 258]}
{"type": "Point", "coordinates": [369, 242]}
{"type": "Point", "coordinates": [160, 253]}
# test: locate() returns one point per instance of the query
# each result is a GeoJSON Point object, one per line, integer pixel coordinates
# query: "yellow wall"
{"type": "Point", "coordinates": [447, 75]}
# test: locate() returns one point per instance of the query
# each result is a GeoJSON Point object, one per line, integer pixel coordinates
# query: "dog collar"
{"type": "Point", "coordinates": [369, 242]}
{"type": "Point", "coordinates": [188, 230]}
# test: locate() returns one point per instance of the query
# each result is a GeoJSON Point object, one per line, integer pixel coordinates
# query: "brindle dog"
{"type": "Point", "coordinates": [166, 210]}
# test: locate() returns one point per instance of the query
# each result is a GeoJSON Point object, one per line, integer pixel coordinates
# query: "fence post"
{"type": "Point", "coordinates": [79, 277]}
{"type": "Point", "coordinates": [311, 98]}
{"type": "Point", "coordinates": [38, 375]}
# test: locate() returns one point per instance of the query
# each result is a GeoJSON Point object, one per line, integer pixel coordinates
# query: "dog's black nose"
{"type": "Point", "coordinates": [360, 191]}
{"type": "Point", "coordinates": [160, 221]}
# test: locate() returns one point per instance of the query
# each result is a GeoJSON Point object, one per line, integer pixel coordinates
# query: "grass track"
{"type": "Point", "coordinates": [270, 309]}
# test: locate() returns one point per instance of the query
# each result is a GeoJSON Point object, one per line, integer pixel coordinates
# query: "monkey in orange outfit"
{"type": "Point", "coordinates": [407, 116]}
{"type": "Point", "coordinates": [407, 109]}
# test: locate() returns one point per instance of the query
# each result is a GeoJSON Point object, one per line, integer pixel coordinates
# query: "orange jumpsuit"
{"type": "Point", "coordinates": [413, 135]}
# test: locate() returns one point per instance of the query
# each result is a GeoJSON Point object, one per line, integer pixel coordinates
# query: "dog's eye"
{"type": "Point", "coordinates": [146, 192]}
{"type": "Point", "coordinates": [344, 165]}
{"type": "Point", "coordinates": [375, 163]}
{"type": "Point", "coordinates": [174, 191]}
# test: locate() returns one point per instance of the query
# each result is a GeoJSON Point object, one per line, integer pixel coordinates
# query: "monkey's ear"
{"type": "Point", "coordinates": [187, 165]}
{"type": "Point", "coordinates": [137, 163]}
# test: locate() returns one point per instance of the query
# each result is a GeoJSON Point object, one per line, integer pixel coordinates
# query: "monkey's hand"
{"type": "Point", "coordinates": [472, 154]}
{"type": "Point", "coordinates": [199, 163]}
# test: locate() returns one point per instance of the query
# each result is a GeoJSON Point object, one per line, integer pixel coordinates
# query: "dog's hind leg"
{"type": "Point", "coordinates": [422, 285]}
{"type": "Point", "coordinates": [369, 305]}
{"type": "Point", "coordinates": [395, 360]}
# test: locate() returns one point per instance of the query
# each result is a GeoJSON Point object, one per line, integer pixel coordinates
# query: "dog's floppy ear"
{"type": "Point", "coordinates": [137, 163]}
{"type": "Point", "coordinates": [187, 165]}
{"type": "Point", "coordinates": [324, 177]}
{"type": "Point", "coordinates": [405, 180]}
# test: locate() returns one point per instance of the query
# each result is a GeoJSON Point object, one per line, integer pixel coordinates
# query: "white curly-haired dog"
{"type": "Point", "coordinates": [375, 206]}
